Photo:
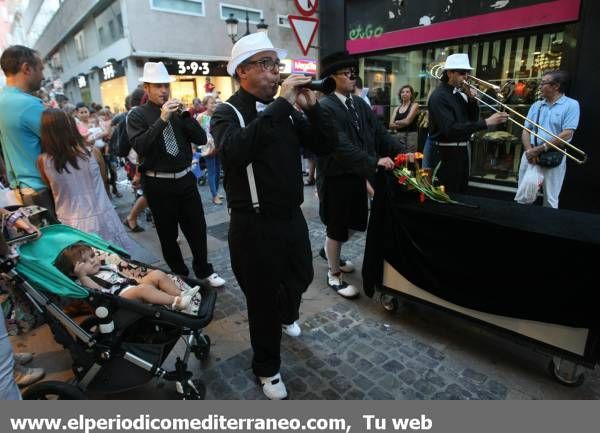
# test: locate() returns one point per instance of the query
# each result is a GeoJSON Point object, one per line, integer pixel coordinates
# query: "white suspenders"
{"type": "Point", "coordinates": [249, 169]}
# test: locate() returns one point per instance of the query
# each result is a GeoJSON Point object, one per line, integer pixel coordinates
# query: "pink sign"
{"type": "Point", "coordinates": [374, 38]}
{"type": "Point", "coordinates": [304, 66]}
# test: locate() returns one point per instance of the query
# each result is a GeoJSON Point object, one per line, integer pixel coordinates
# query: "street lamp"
{"type": "Point", "coordinates": [232, 27]}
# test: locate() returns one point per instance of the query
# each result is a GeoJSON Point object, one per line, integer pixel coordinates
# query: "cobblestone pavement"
{"type": "Point", "coordinates": [340, 355]}
{"type": "Point", "coordinates": [348, 349]}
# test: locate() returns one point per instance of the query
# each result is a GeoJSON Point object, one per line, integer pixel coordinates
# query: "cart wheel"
{"type": "Point", "coordinates": [202, 347]}
{"type": "Point", "coordinates": [389, 302]}
{"type": "Point", "coordinates": [53, 390]}
{"type": "Point", "coordinates": [566, 372]}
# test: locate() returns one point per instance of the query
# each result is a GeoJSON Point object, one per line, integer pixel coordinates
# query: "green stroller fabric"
{"type": "Point", "coordinates": [36, 259]}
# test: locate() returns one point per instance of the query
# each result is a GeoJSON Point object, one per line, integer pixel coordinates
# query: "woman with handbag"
{"type": "Point", "coordinates": [209, 153]}
{"type": "Point", "coordinates": [404, 118]}
{"type": "Point", "coordinates": [72, 171]}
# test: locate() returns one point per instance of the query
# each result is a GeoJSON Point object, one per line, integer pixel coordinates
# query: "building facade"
{"type": "Point", "coordinates": [97, 48]}
{"type": "Point", "coordinates": [510, 44]}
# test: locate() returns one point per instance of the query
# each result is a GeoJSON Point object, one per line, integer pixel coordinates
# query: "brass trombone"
{"type": "Point", "coordinates": [436, 72]}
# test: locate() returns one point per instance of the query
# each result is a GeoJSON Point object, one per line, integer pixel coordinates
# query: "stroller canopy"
{"type": "Point", "coordinates": [36, 261]}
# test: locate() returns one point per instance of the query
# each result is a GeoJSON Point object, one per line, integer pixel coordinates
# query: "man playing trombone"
{"type": "Point", "coordinates": [559, 115]}
{"type": "Point", "coordinates": [453, 117]}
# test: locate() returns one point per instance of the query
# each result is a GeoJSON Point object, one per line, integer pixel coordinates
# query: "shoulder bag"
{"type": "Point", "coordinates": [549, 158]}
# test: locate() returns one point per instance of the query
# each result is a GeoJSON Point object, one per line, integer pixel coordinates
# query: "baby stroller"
{"type": "Point", "coordinates": [121, 346]}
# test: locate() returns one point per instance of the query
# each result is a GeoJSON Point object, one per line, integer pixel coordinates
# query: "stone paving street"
{"type": "Point", "coordinates": [348, 349]}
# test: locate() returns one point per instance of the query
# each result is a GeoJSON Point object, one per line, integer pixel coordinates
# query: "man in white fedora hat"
{"type": "Point", "coordinates": [259, 140]}
{"type": "Point", "coordinates": [163, 136]}
{"type": "Point", "coordinates": [453, 117]}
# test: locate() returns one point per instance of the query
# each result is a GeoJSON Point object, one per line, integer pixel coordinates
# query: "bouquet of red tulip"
{"type": "Point", "coordinates": [412, 176]}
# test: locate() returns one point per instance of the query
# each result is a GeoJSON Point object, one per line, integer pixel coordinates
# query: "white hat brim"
{"type": "Point", "coordinates": [456, 68]}
{"type": "Point", "coordinates": [154, 81]}
{"type": "Point", "coordinates": [234, 63]}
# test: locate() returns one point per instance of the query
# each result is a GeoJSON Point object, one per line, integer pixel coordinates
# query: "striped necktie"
{"type": "Point", "coordinates": [170, 141]}
{"type": "Point", "coordinates": [352, 111]}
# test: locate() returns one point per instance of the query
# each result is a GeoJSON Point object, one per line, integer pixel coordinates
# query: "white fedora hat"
{"type": "Point", "coordinates": [156, 73]}
{"type": "Point", "coordinates": [248, 46]}
{"type": "Point", "coordinates": [457, 62]}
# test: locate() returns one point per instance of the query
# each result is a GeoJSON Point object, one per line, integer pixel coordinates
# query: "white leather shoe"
{"type": "Point", "coordinates": [213, 280]}
{"type": "Point", "coordinates": [273, 387]}
{"type": "Point", "coordinates": [292, 330]}
{"type": "Point", "coordinates": [342, 288]}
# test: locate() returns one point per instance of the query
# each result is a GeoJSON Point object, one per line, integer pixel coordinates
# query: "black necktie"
{"type": "Point", "coordinates": [352, 111]}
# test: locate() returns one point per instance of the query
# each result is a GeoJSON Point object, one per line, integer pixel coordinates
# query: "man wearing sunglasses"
{"type": "Point", "coordinates": [453, 117]}
{"type": "Point", "coordinates": [259, 138]}
{"type": "Point", "coordinates": [558, 114]}
{"type": "Point", "coordinates": [364, 146]}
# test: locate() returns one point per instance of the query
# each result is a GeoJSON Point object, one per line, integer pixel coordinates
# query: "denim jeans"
{"type": "Point", "coordinates": [213, 166]}
{"type": "Point", "coordinates": [430, 153]}
{"type": "Point", "coordinates": [8, 387]}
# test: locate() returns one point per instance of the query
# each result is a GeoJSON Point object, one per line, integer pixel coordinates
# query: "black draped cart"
{"type": "Point", "coordinates": [526, 271]}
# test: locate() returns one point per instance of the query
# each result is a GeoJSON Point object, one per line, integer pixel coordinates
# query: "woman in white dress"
{"type": "Point", "coordinates": [71, 170]}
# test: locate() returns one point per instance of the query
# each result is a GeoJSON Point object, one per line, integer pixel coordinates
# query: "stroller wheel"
{"type": "Point", "coordinates": [53, 390]}
{"type": "Point", "coordinates": [202, 348]}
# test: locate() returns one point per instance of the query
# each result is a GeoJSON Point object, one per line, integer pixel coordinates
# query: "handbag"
{"type": "Point", "coordinates": [549, 158]}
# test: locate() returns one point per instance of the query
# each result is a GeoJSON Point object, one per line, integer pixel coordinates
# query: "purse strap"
{"type": "Point", "coordinates": [537, 122]}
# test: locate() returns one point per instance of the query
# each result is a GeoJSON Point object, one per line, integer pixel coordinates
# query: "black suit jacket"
{"type": "Point", "coordinates": [357, 150]}
{"type": "Point", "coordinates": [271, 141]}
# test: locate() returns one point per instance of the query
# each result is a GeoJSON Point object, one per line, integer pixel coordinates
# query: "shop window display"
{"type": "Point", "coordinates": [515, 63]}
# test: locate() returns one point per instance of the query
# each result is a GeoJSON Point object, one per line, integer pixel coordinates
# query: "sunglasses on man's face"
{"type": "Point", "coordinates": [460, 71]}
{"type": "Point", "coordinates": [351, 74]}
{"type": "Point", "coordinates": [268, 64]}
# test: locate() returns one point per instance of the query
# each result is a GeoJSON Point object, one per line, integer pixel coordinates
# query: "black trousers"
{"type": "Point", "coordinates": [272, 262]}
{"type": "Point", "coordinates": [176, 203]}
{"type": "Point", "coordinates": [454, 171]}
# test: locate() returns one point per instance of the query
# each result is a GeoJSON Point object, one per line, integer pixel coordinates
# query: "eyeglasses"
{"type": "Point", "coordinates": [461, 72]}
{"type": "Point", "coordinates": [351, 74]}
{"type": "Point", "coordinates": [543, 83]}
{"type": "Point", "coordinates": [266, 63]}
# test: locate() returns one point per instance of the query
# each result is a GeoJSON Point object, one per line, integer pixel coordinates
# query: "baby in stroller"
{"type": "Point", "coordinates": [80, 261]}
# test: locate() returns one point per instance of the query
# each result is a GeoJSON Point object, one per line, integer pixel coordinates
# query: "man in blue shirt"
{"type": "Point", "coordinates": [558, 114]}
{"type": "Point", "coordinates": [20, 121]}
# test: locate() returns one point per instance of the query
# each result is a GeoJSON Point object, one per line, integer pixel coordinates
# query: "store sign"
{"type": "Point", "coordinates": [374, 25]}
{"type": "Point", "coordinates": [195, 67]}
{"type": "Point", "coordinates": [285, 67]}
{"type": "Point", "coordinates": [304, 66]}
{"type": "Point", "coordinates": [82, 81]}
{"type": "Point", "coordinates": [111, 71]}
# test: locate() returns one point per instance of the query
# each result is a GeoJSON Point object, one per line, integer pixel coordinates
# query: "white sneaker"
{"type": "Point", "coordinates": [190, 291]}
{"type": "Point", "coordinates": [343, 289]}
{"type": "Point", "coordinates": [346, 266]}
{"type": "Point", "coordinates": [273, 387]}
{"type": "Point", "coordinates": [25, 376]}
{"type": "Point", "coordinates": [292, 330]}
{"type": "Point", "coordinates": [23, 358]}
{"type": "Point", "coordinates": [194, 305]}
{"type": "Point", "coordinates": [213, 280]}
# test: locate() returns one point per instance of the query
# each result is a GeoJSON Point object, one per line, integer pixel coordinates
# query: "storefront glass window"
{"type": "Point", "coordinates": [515, 63]}
{"type": "Point", "coordinates": [113, 93]}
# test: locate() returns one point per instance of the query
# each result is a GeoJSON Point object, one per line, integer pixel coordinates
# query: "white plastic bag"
{"type": "Point", "coordinates": [529, 183]}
